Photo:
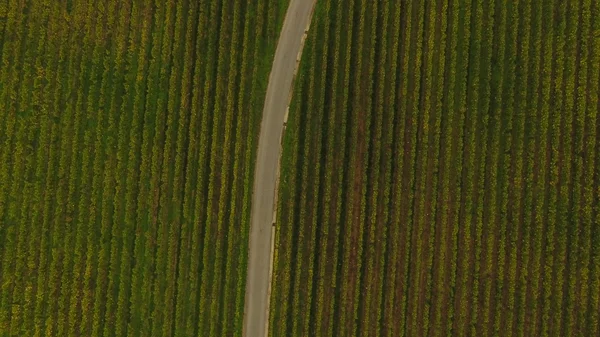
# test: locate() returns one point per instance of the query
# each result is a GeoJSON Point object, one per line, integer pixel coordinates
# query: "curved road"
{"type": "Point", "coordinates": [287, 54]}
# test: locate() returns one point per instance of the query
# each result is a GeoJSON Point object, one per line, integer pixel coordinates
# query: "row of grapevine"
{"type": "Point", "coordinates": [327, 238]}
{"type": "Point", "coordinates": [370, 313]}
{"type": "Point", "coordinates": [396, 168]}
{"type": "Point", "coordinates": [316, 171]}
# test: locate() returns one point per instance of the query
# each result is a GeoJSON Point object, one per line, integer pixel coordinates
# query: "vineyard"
{"type": "Point", "coordinates": [441, 172]}
{"type": "Point", "coordinates": [127, 143]}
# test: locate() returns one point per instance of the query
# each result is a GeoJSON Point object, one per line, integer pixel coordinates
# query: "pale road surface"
{"type": "Point", "coordinates": [289, 47]}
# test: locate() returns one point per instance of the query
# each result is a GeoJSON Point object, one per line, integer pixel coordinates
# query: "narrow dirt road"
{"type": "Point", "coordinates": [277, 100]}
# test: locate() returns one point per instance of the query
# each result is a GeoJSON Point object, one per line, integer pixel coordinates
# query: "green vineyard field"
{"type": "Point", "coordinates": [127, 144]}
{"type": "Point", "coordinates": [441, 172]}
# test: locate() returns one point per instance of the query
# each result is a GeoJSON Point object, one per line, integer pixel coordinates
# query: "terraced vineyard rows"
{"type": "Point", "coordinates": [128, 133]}
{"type": "Point", "coordinates": [440, 173]}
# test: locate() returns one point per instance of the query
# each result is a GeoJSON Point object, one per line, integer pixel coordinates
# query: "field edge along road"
{"type": "Point", "coordinates": [281, 78]}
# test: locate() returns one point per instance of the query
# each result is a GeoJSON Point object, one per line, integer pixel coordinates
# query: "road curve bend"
{"type": "Point", "coordinates": [287, 54]}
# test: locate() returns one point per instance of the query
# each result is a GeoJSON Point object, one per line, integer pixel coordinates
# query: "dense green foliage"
{"type": "Point", "coordinates": [127, 142]}
{"type": "Point", "coordinates": [440, 173]}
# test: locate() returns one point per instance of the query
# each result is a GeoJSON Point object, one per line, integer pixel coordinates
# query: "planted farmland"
{"type": "Point", "coordinates": [440, 172]}
{"type": "Point", "coordinates": [127, 142]}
